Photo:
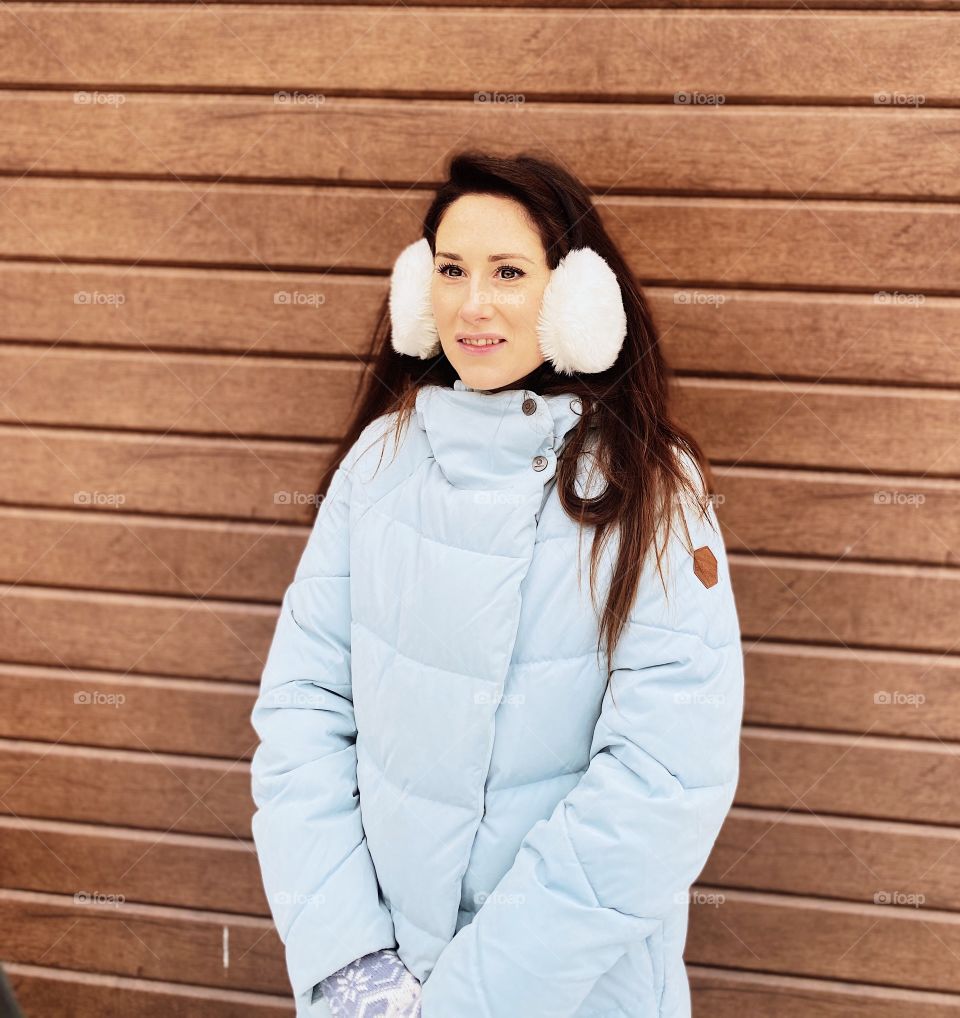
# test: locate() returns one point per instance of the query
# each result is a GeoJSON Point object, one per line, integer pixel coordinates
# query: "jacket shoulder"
{"type": "Point", "coordinates": [380, 458]}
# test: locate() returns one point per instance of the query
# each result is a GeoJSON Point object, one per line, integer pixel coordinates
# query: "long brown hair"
{"type": "Point", "coordinates": [634, 441]}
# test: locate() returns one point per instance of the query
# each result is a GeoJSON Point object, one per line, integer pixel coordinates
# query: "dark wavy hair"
{"type": "Point", "coordinates": [634, 442]}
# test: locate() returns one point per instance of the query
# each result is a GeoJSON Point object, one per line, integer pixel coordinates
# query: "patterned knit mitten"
{"type": "Point", "coordinates": [378, 985]}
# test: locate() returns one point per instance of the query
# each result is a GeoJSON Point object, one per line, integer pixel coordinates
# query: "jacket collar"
{"type": "Point", "coordinates": [486, 440]}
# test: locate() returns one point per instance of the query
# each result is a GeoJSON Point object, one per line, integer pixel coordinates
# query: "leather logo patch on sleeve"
{"type": "Point", "coordinates": [705, 566]}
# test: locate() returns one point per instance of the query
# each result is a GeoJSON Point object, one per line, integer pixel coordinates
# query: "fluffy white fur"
{"type": "Point", "coordinates": [582, 322]}
{"type": "Point", "coordinates": [412, 325]}
{"type": "Point", "coordinates": [581, 325]}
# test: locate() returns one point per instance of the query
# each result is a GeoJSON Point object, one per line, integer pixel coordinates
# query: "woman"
{"type": "Point", "coordinates": [484, 789]}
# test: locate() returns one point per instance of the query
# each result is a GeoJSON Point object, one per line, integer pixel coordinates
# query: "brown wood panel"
{"type": "Point", "coordinates": [898, 607]}
{"type": "Point", "coordinates": [127, 712]}
{"type": "Point", "coordinates": [149, 941]}
{"type": "Point", "coordinates": [157, 868]}
{"type": "Point", "coordinates": [242, 480]}
{"type": "Point", "coordinates": [83, 995]}
{"type": "Point", "coordinates": [127, 632]}
{"type": "Point", "coordinates": [821, 336]}
{"type": "Point", "coordinates": [125, 551]}
{"type": "Point", "coordinates": [721, 994]}
{"type": "Point", "coordinates": [145, 790]}
{"type": "Point", "coordinates": [870, 861]}
{"type": "Point", "coordinates": [536, 53]}
{"type": "Point", "coordinates": [857, 776]}
{"type": "Point", "coordinates": [857, 691]}
{"type": "Point", "coordinates": [675, 148]}
{"type": "Point", "coordinates": [887, 944]}
{"type": "Point", "coordinates": [873, 246]}
{"type": "Point", "coordinates": [828, 514]}
{"type": "Point", "coordinates": [842, 427]}
{"type": "Point", "coordinates": [194, 393]}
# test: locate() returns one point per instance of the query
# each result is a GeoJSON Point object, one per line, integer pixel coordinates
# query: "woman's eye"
{"type": "Point", "coordinates": [442, 269]}
{"type": "Point", "coordinates": [512, 268]}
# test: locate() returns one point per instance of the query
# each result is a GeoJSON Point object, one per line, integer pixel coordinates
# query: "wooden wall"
{"type": "Point", "coordinates": [183, 183]}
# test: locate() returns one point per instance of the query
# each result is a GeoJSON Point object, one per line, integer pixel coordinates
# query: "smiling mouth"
{"type": "Point", "coordinates": [467, 341]}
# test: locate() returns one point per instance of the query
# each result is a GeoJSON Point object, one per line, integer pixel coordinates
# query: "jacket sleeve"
{"type": "Point", "coordinates": [620, 851]}
{"type": "Point", "coordinates": [317, 872]}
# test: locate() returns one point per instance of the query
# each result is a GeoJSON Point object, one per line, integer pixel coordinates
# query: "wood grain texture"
{"type": "Point", "coordinates": [536, 53]}
{"type": "Point", "coordinates": [641, 148]}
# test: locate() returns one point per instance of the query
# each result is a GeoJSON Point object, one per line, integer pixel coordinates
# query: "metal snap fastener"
{"type": "Point", "coordinates": [529, 406]}
{"type": "Point", "coordinates": [540, 462]}
{"type": "Point", "coordinates": [576, 405]}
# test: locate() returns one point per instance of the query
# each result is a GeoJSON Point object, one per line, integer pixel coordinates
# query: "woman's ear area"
{"type": "Point", "coordinates": [413, 329]}
{"type": "Point", "coordinates": [582, 323]}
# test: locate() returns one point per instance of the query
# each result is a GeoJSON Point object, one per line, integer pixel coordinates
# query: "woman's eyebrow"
{"type": "Point", "coordinates": [492, 258]}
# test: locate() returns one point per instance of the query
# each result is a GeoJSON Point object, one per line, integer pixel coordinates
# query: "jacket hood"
{"type": "Point", "coordinates": [495, 439]}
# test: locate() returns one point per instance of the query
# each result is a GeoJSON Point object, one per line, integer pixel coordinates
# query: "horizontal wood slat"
{"type": "Point", "coordinates": [870, 861]}
{"type": "Point", "coordinates": [895, 946]}
{"type": "Point", "coordinates": [145, 790]}
{"type": "Point", "coordinates": [856, 776]}
{"type": "Point", "coordinates": [152, 867]}
{"type": "Point", "coordinates": [123, 551]}
{"type": "Point", "coordinates": [871, 246]}
{"type": "Point", "coordinates": [685, 149]}
{"type": "Point", "coordinates": [142, 940]}
{"type": "Point", "coordinates": [240, 479]}
{"type": "Point", "coordinates": [98, 709]}
{"type": "Point", "coordinates": [537, 53]}
{"type": "Point", "coordinates": [859, 691]}
{"type": "Point", "coordinates": [722, 994]}
{"type": "Point", "coordinates": [47, 991]}
{"type": "Point", "coordinates": [150, 635]}
{"type": "Point", "coordinates": [821, 336]}
{"type": "Point", "coordinates": [898, 607]}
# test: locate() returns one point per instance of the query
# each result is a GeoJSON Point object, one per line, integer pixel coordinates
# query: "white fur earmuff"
{"type": "Point", "coordinates": [581, 325]}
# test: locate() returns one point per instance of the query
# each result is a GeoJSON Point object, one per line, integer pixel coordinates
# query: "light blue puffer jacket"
{"type": "Point", "coordinates": [526, 839]}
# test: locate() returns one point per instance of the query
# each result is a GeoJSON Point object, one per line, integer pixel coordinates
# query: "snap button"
{"type": "Point", "coordinates": [529, 406]}
{"type": "Point", "coordinates": [576, 405]}
{"type": "Point", "coordinates": [540, 462]}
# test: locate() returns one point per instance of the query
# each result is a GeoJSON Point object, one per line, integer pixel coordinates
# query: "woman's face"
{"type": "Point", "coordinates": [490, 272]}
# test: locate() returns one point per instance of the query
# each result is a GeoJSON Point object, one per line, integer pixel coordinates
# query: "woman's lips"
{"type": "Point", "coordinates": [481, 349]}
